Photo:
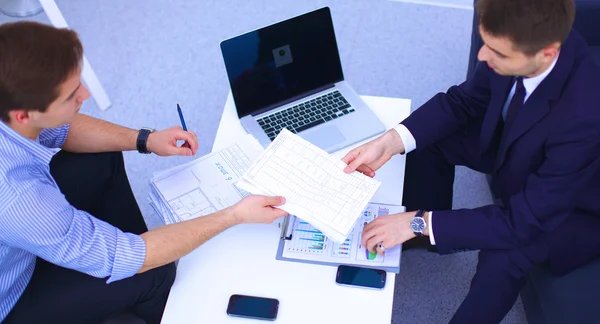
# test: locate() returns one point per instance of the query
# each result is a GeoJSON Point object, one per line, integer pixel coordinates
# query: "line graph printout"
{"type": "Point", "coordinates": [314, 184]}
{"type": "Point", "coordinates": [308, 244]}
{"type": "Point", "coordinates": [205, 185]}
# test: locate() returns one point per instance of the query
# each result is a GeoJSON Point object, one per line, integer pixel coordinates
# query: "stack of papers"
{"type": "Point", "coordinates": [205, 185]}
{"type": "Point", "coordinates": [313, 182]}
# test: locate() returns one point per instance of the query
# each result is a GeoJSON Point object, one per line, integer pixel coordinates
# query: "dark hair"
{"type": "Point", "coordinates": [530, 24]}
{"type": "Point", "coordinates": [35, 59]}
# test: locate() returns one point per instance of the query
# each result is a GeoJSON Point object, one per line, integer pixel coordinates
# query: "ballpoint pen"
{"type": "Point", "coordinates": [182, 122]}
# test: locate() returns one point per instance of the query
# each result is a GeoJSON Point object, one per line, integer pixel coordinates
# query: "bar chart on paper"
{"type": "Point", "coordinates": [307, 239]}
{"type": "Point", "coordinates": [343, 250]}
{"type": "Point", "coordinates": [308, 244]}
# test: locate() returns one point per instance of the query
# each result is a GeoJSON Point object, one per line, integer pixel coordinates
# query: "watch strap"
{"type": "Point", "coordinates": [142, 140]}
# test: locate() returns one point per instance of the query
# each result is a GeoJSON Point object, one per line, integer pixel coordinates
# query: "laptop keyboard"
{"type": "Point", "coordinates": [307, 114]}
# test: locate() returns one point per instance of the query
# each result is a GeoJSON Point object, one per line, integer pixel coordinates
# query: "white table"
{"type": "Point", "coordinates": [241, 260]}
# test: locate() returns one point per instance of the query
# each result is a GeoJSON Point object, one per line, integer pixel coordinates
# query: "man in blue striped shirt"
{"type": "Point", "coordinates": [73, 244]}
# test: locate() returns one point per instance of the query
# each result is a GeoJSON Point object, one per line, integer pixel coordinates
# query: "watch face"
{"type": "Point", "coordinates": [418, 224]}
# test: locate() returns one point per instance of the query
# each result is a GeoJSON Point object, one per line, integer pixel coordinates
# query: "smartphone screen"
{"type": "Point", "coordinates": [253, 307]}
{"type": "Point", "coordinates": [362, 277]}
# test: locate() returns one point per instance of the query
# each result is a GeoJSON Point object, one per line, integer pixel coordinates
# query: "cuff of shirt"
{"type": "Point", "coordinates": [408, 139]}
{"type": "Point", "coordinates": [430, 224]}
{"type": "Point", "coordinates": [129, 256]}
{"type": "Point", "coordinates": [61, 137]}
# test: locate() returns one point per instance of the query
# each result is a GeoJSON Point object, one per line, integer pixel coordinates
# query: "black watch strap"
{"type": "Point", "coordinates": [142, 140]}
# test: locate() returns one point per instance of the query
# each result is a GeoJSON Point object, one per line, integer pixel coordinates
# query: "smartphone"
{"type": "Point", "coordinates": [361, 277]}
{"type": "Point", "coordinates": [253, 307]}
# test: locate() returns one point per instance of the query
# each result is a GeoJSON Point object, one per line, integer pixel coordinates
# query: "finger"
{"type": "Point", "coordinates": [370, 226]}
{"type": "Point", "coordinates": [357, 163]}
{"type": "Point", "coordinates": [350, 156]}
{"type": "Point", "coordinates": [181, 151]}
{"type": "Point", "coordinates": [366, 171]}
{"type": "Point", "coordinates": [274, 201]}
{"type": "Point", "coordinates": [366, 236]}
{"type": "Point", "coordinates": [278, 213]}
{"type": "Point", "coordinates": [195, 144]}
{"type": "Point", "coordinates": [372, 244]}
{"type": "Point", "coordinates": [189, 138]}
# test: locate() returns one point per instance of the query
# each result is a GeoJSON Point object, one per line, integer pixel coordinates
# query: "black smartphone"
{"type": "Point", "coordinates": [362, 277]}
{"type": "Point", "coordinates": [253, 307]}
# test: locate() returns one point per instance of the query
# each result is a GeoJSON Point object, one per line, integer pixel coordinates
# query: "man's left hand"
{"type": "Point", "coordinates": [164, 142]}
{"type": "Point", "coordinates": [389, 231]}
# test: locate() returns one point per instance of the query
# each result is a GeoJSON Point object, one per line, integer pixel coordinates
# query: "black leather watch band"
{"type": "Point", "coordinates": [142, 140]}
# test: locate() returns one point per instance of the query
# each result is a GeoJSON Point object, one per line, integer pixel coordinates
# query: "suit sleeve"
{"type": "Point", "coordinates": [446, 113]}
{"type": "Point", "coordinates": [572, 159]}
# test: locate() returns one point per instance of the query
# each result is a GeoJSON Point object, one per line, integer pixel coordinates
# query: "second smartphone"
{"type": "Point", "coordinates": [361, 277]}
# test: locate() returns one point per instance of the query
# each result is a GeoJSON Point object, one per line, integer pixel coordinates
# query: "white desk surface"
{"type": "Point", "coordinates": [241, 260]}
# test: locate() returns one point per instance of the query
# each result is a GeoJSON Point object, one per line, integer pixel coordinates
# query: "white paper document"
{"type": "Point", "coordinates": [313, 182]}
{"type": "Point", "coordinates": [205, 185]}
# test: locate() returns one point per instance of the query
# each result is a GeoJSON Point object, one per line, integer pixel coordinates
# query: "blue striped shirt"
{"type": "Point", "coordinates": [37, 220]}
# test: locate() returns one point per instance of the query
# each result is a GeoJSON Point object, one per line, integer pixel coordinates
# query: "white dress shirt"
{"type": "Point", "coordinates": [410, 143]}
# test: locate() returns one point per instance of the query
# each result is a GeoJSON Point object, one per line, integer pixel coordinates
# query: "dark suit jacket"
{"type": "Point", "coordinates": [547, 169]}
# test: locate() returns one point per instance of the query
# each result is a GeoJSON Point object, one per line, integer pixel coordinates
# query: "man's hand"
{"type": "Point", "coordinates": [258, 209]}
{"type": "Point", "coordinates": [390, 231]}
{"type": "Point", "coordinates": [369, 157]}
{"type": "Point", "coordinates": [164, 142]}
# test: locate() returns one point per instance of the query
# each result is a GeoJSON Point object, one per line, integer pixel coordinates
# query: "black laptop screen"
{"type": "Point", "coordinates": [281, 62]}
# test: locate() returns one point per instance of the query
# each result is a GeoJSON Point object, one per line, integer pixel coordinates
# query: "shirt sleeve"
{"type": "Point", "coordinates": [431, 237]}
{"type": "Point", "coordinates": [408, 139]}
{"type": "Point", "coordinates": [54, 137]}
{"type": "Point", "coordinates": [54, 230]}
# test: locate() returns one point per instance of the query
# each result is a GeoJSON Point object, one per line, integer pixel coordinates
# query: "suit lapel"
{"type": "Point", "coordinates": [534, 109]}
{"type": "Point", "coordinates": [538, 105]}
{"type": "Point", "coordinates": [493, 115]}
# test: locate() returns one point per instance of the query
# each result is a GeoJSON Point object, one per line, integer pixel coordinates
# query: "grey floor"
{"type": "Point", "coordinates": [152, 54]}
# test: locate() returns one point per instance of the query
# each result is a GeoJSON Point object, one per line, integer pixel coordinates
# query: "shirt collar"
{"type": "Point", "coordinates": [37, 150]}
{"type": "Point", "coordinates": [532, 83]}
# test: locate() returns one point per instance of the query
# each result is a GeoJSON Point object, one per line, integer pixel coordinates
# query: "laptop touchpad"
{"type": "Point", "coordinates": [325, 137]}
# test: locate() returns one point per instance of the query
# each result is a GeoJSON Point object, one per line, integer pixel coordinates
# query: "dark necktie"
{"type": "Point", "coordinates": [515, 105]}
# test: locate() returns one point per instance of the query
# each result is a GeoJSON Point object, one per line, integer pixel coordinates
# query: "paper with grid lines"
{"type": "Point", "coordinates": [313, 182]}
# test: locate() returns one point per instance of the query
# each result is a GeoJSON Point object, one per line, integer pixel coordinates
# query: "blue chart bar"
{"type": "Point", "coordinates": [316, 246]}
{"type": "Point", "coordinates": [313, 239]}
{"type": "Point", "coordinates": [308, 231]}
{"type": "Point", "coordinates": [307, 239]}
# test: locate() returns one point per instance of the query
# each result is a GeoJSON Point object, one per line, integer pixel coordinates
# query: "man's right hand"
{"type": "Point", "coordinates": [369, 157]}
{"type": "Point", "coordinates": [258, 209]}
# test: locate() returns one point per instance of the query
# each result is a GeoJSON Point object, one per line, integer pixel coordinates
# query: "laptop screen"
{"type": "Point", "coordinates": [282, 62]}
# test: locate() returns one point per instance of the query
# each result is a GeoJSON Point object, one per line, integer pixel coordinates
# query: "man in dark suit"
{"type": "Point", "coordinates": [529, 117]}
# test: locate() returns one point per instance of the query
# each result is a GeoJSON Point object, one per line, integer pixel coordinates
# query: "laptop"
{"type": "Point", "coordinates": [289, 75]}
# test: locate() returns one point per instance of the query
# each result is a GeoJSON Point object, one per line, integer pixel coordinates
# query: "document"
{"type": "Point", "coordinates": [314, 184]}
{"type": "Point", "coordinates": [205, 185]}
{"type": "Point", "coordinates": [306, 243]}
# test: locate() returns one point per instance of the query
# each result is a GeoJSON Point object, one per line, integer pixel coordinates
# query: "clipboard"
{"type": "Point", "coordinates": [329, 253]}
